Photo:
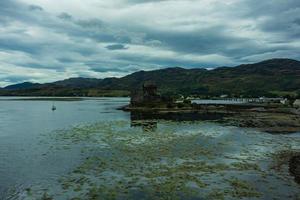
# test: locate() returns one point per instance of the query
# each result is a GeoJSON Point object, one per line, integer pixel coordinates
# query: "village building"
{"type": "Point", "coordinates": [284, 101]}
{"type": "Point", "coordinates": [296, 104]}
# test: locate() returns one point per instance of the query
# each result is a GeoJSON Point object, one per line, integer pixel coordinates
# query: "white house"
{"type": "Point", "coordinates": [297, 103]}
{"type": "Point", "coordinates": [284, 101]}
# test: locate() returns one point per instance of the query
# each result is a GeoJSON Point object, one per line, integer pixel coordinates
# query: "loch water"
{"type": "Point", "coordinates": [88, 149]}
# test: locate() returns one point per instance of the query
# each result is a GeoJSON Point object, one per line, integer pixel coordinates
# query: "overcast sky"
{"type": "Point", "coordinates": [48, 40]}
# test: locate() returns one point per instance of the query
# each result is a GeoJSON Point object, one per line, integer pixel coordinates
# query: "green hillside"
{"type": "Point", "coordinates": [276, 77]}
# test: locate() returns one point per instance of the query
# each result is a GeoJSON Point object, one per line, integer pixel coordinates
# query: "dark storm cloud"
{"type": "Point", "coordinates": [17, 45]}
{"type": "Point", "coordinates": [8, 10]}
{"type": "Point", "coordinates": [65, 16]}
{"type": "Point", "coordinates": [35, 8]}
{"type": "Point", "coordinates": [91, 24]}
{"type": "Point", "coordinates": [16, 79]}
{"type": "Point", "coordinates": [279, 16]}
{"type": "Point", "coordinates": [116, 47]}
{"type": "Point", "coordinates": [144, 1]}
{"type": "Point", "coordinates": [92, 28]}
{"type": "Point", "coordinates": [165, 62]}
{"type": "Point", "coordinates": [203, 42]}
{"type": "Point", "coordinates": [112, 69]}
{"type": "Point", "coordinates": [97, 39]}
{"type": "Point", "coordinates": [13, 10]}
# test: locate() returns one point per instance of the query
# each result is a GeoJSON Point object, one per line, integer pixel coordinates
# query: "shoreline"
{"type": "Point", "coordinates": [268, 118]}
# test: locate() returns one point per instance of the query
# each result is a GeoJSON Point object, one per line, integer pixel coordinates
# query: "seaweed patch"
{"type": "Point", "coordinates": [175, 161]}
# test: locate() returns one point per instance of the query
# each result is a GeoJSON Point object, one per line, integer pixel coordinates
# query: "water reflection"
{"type": "Point", "coordinates": [175, 116]}
{"type": "Point", "coordinates": [148, 120]}
{"type": "Point", "coordinates": [147, 125]}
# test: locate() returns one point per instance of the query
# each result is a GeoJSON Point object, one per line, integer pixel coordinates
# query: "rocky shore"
{"type": "Point", "coordinates": [288, 159]}
{"type": "Point", "coordinates": [269, 118]}
{"type": "Point", "coordinates": [294, 167]}
{"type": "Point", "coordinates": [272, 120]}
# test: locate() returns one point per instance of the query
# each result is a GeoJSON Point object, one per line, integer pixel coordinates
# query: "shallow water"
{"type": "Point", "coordinates": [208, 101]}
{"type": "Point", "coordinates": [89, 150]}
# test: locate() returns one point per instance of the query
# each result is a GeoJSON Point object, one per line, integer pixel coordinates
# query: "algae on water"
{"type": "Point", "coordinates": [175, 161]}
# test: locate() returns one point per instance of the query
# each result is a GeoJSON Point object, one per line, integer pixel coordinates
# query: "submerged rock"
{"type": "Point", "coordinates": [294, 167]}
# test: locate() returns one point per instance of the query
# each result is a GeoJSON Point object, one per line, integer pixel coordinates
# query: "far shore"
{"type": "Point", "coordinates": [272, 118]}
{"type": "Point", "coordinates": [45, 98]}
{"type": "Point", "coordinates": [41, 99]}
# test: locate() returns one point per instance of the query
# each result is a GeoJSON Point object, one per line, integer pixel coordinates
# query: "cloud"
{"type": "Point", "coordinates": [65, 16]}
{"type": "Point", "coordinates": [116, 47]}
{"type": "Point", "coordinates": [44, 41]}
{"type": "Point", "coordinates": [35, 8]}
{"type": "Point", "coordinates": [144, 1]}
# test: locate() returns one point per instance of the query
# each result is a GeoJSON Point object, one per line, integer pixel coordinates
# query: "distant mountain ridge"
{"type": "Point", "coordinates": [275, 77]}
{"type": "Point", "coordinates": [25, 85]}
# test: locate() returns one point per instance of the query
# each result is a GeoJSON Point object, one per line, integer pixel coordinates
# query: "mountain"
{"type": "Point", "coordinates": [25, 85]}
{"type": "Point", "coordinates": [271, 77]}
{"type": "Point", "coordinates": [78, 82]}
{"type": "Point", "coordinates": [275, 77]}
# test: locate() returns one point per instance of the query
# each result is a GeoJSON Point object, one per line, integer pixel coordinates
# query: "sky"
{"type": "Point", "coordinates": [48, 40]}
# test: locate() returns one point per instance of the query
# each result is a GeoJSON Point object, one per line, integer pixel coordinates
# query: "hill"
{"type": "Point", "coordinates": [25, 85]}
{"type": "Point", "coordinates": [275, 77]}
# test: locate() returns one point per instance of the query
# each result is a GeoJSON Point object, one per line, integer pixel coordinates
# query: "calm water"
{"type": "Point", "coordinates": [207, 101]}
{"type": "Point", "coordinates": [89, 150]}
{"type": "Point", "coordinates": [22, 125]}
